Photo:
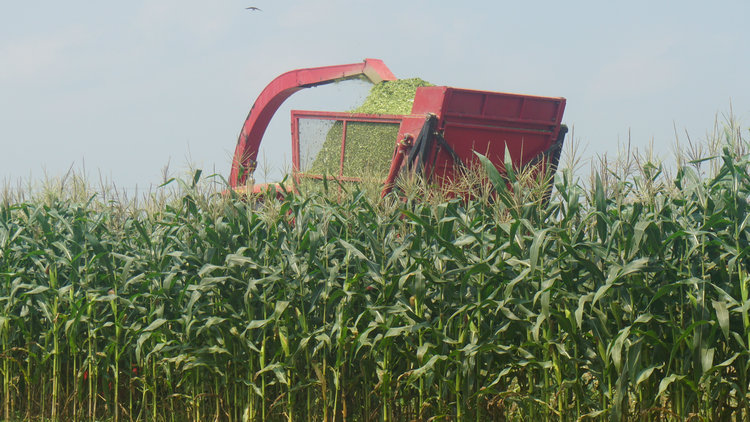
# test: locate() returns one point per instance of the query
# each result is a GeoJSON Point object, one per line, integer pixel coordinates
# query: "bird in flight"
{"type": "Point", "coordinates": [253, 8]}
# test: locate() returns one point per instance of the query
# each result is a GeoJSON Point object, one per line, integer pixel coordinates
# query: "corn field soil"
{"type": "Point", "coordinates": [623, 300]}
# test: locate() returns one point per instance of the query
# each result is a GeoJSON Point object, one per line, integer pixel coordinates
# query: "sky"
{"type": "Point", "coordinates": [119, 91]}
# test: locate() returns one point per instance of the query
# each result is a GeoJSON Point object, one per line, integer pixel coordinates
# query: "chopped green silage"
{"type": "Point", "coordinates": [369, 146]}
{"type": "Point", "coordinates": [391, 97]}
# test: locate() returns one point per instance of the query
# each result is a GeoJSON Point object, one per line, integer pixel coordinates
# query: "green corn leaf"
{"type": "Point", "coordinates": [424, 369]}
{"type": "Point", "coordinates": [351, 248]}
{"type": "Point", "coordinates": [645, 374]}
{"type": "Point", "coordinates": [536, 244]}
{"type": "Point", "coordinates": [36, 291]}
{"type": "Point", "coordinates": [722, 316]}
{"type": "Point", "coordinates": [259, 323]}
{"type": "Point", "coordinates": [707, 359]}
{"type": "Point", "coordinates": [396, 331]}
{"type": "Point", "coordinates": [601, 208]}
{"type": "Point", "coordinates": [280, 307]}
{"type": "Point", "coordinates": [728, 362]}
{"type": "Point", "coordinates": [615, 351]}
{"type": "Point", "coordinates": [508, 163]}
{"type": "Point", "coordinates": [495, 177]}
{"type": "Point", "coordinates": [666, 382]}
{"type": "Point", "coordinates": [155, 324]}
{"type": "Point", "coordinates": [455, 252]}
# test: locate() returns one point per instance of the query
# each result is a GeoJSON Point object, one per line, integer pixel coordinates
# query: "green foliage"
{"type": "Point", "coordinates": [586, 306]}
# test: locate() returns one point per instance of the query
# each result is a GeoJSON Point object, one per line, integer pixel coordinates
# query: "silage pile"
{"type": "Point", "coordinates": [369, 146]}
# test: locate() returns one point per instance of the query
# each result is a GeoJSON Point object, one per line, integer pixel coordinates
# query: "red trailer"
{"type": "Point", "coordinates": [444, 129]}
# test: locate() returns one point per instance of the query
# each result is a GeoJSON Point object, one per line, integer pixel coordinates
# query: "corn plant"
{"type": "Point", "coordinates": [625, 298]}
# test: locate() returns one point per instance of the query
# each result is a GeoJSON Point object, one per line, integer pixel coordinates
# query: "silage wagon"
{"type": "Point", "coordinates": [441, 134]}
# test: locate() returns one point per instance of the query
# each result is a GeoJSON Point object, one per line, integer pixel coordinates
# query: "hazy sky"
{"type": "Point", "coordinates": [124, 88]}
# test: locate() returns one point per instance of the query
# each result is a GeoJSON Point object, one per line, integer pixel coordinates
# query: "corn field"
{"type": "Point", "coordinates": [623, 299]}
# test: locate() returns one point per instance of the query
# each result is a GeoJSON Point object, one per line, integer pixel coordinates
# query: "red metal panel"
{"type": "Point", "coordinates": [503, 106]}
{"type": "Point", "coordinates": [464, 102]}
{"type": "Point", "coordinates": [429, 99]}
{"type": "Point", "coordinates": [487, 122]}
{"type": "Point", "coordinates": [411, 126]}
{"type": "Point", "coordinates": [295, 144]}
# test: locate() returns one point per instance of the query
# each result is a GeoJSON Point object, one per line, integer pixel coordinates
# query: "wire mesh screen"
{"type": "Point", "coordinates": [320, 146]}
{"type": "Point", "coordinates": [368, 150]}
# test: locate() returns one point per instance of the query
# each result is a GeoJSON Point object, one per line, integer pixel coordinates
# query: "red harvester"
{"type": "Point", "coordinates": [445, 127]}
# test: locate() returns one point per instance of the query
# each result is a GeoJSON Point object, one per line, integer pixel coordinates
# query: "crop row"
{"type": "Point", "coordinates": [589, 305]}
